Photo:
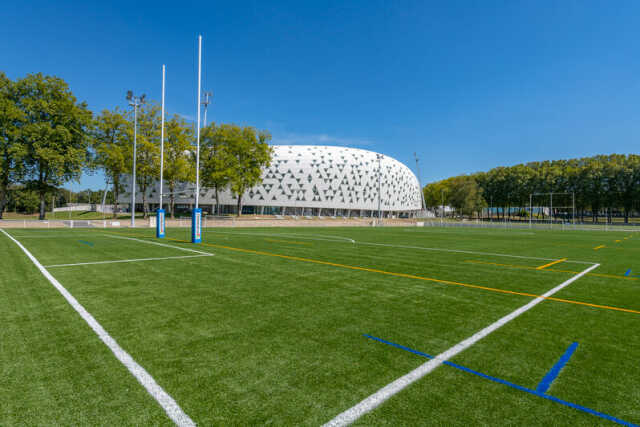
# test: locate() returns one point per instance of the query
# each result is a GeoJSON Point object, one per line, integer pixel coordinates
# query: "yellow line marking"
{"type": "Point", "coordinates": [598, 247]}
{"type": "Point", "coordinates": [288, 241]}
{"type": "Point", "coordinates": [542, 267]}
{"type": "Point", "coordinates": [608, 276]}
{"type": "Point", "coordinates": [404, 275]}
{"type": "Point", "coordinates": [617, 241]}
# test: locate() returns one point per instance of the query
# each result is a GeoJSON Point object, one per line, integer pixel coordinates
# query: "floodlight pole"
{"type": "Point", "coordinates": [442, 211]}
{"type": "Point", "coordinates": [379, 157]}
{"type": "Point", "coordinates": [530, 208]}
{"type": "Point", "coordinates": [424, 203]}
{"type": "Point", "coordinates": [135, 102]}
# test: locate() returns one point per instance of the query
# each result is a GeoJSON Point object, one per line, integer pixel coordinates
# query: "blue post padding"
{"type": "Point", "coordinates": [160, 223]}
{"type": "Point", "coordinates": [196, 226]}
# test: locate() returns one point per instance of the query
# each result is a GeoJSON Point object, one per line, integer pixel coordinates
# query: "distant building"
{"type": "Point", "coordinates": [314, 180]}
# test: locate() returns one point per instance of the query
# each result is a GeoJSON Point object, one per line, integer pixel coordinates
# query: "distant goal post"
{"type": "Point", "coordinates": [552, 207]}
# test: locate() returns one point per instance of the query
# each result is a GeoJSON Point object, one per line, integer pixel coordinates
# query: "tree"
{"type": "Point", "coordinates": [178, 161]}
{"type": "Point", "coordinates": [436, 195]}
{"type": "Point", "coordinates": [25, 200]}
{"type": "Point", "coordinates": [250, 152]}
{"type": "Point", "coordinates": [216, 159]}
{"type": "Point", "coordinates": [11, 147]}
{"type": "Point", "coordinates": [465, 195]}
{"type": "Point", "coordinates": [110, 144]}
{"type": "Point", "coordinates": [54, 132]}
{"type": "Point", "coordinates": [147, 150]}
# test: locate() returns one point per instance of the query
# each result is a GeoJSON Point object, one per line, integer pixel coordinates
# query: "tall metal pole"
{"type": "Point", "coordinates": [198, 127]}
{"type": "Point", "coordinates": [442, 212]}
{"type": "Point", "coordinates": [530, 208]}
{"type": "Point", "coordinates": [379, 157]}
{"type": "Point", "coordinates": [162, 140]}
{"type": "Point", "coordinates": [551, 213]}
{"type": "Point", "coordinates": [424, 203]}
{"type": "Point", "coordinates": [573, 204]}
{"type": "Point", "coordinates": [133, 188]}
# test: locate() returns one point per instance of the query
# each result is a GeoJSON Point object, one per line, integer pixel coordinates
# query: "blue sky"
{"type": "Point", "coordinates": [468, 85]}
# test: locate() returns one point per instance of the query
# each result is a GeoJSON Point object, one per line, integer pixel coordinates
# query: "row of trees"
{"type": "Point", "coordinates": [599, 183]}
{"type": "Point", "coordinates": [231, 156]}
{"type": "Point", "coordinates": [48, 138]}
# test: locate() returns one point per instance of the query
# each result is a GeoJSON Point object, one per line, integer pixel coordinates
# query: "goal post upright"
{"type": "Point", "coordinates": [196, 215]}
{"type": "Point", "coordinates": [566, 208]}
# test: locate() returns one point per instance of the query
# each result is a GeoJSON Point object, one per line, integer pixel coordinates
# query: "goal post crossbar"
{"type": "Point", "coordinates": [551, 194]}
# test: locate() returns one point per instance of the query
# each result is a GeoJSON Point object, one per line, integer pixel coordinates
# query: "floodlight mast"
{"type": "Point", "coordinates": [135, 102]}
{"type": "Point", "coordinates": [379, 157]}
{"type": "Point", "coordinates": [424, 202]}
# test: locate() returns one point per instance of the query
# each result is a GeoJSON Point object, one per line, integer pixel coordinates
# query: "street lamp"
{"type": "Point", "coordinates": [135, 102]}
{"type": "Point", "coordinates": [379, 157]}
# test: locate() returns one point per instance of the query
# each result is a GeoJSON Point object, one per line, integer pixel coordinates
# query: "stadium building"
{"type": "Point", "coordinates": [315, 181]}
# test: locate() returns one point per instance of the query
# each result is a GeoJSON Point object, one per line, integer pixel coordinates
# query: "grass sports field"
{"type": "Point", "coordinates": [309, 326]}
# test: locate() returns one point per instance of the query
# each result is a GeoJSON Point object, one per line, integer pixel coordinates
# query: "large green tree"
{"type": "Point", "coordinates": [216, 158]}
{"type": "Point", "coordinates": [54, 133]}
{"type": "Point", "coordinates": [250, 153]}
{"type": "Point", "coordinates": [11, 145]}
{"type": "Point", "coordinates": [111, 144]}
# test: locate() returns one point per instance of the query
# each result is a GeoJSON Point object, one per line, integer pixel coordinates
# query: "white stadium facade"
{"type": "Point", "coordinates": [314, 180]}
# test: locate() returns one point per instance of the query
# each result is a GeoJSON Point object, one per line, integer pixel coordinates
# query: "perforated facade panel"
{"type": "Point", "coordinates": [306, 176]}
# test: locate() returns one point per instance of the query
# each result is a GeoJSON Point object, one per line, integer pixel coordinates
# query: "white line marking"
{"type": "Point", "coordinates": [159, 244]}
{"type": "Point", "coordinates": [299, 236]}
{"type": "Point", "coordinates": [126, 260]}
{"type": "Point", "coordinates": [468, 252]}
{"type": "Point", "coordinates": [169, 405]}
{"type": "Point", "coordinates": [379, 397]}
{"type": "Point", "coordinates": [358, 242]}
{"type": "Point", "coordinates": [73, 236]}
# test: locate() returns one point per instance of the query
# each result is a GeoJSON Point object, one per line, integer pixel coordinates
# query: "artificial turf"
{"type": "Point", "coordinates": [270, 329]}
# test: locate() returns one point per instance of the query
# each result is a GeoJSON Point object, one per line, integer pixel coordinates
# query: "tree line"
{"type": "Point", "coordinates": [601, 184]}
{"type": "Point", "coordinates": [48, 138]}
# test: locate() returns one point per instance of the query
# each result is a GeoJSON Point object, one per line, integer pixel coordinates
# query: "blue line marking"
{"type": "Point", "coordinates": [628, 272]}
{"type": "Point", "coordinates": [545, 383]}
{"type": "Point", "coordinates": [85, 242]}
{"type": "Point", "coordinates": [510, 384]}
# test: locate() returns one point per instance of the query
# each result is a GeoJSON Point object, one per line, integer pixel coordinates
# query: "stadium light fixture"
{"type": "Point", "coordinates": [135, 102]}
{"type": "Point", "coordinates": [207, 100]}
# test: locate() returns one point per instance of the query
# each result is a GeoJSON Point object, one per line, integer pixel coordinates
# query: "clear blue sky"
{"type": "Point", "coordinates": [468, 85]}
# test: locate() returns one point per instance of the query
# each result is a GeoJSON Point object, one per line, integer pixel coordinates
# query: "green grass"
{"type": "Point", "coordinates": [270, 329]}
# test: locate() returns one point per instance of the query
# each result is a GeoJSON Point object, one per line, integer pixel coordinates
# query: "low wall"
{"type": "Point", "coordinates": [208, 223]}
